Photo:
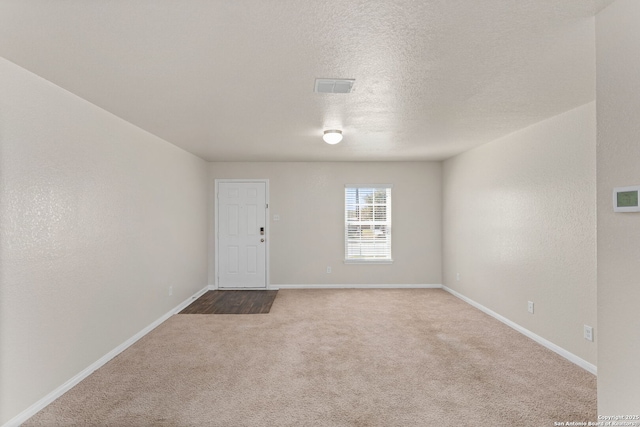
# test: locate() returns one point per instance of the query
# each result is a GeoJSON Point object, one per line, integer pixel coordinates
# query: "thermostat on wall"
{"type": "Point", "coordinates": [625, 199]}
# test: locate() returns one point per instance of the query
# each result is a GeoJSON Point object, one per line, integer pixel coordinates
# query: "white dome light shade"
{"type": "Point", "coordinates": [332, 136]}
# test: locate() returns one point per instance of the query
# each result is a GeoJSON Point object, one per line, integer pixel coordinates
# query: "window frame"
{"type": "Point", "coordinates": [387, 223]}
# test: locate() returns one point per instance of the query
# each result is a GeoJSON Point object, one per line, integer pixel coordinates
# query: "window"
{"type": "Point", "coordinates": [367, 223]}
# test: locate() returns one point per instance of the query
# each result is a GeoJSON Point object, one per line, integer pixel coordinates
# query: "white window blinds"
{"type": "Point", "coordinates": [367, 223]}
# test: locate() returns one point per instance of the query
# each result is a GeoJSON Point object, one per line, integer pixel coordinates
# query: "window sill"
{"type": "Point", "coordinates": [368, 261]}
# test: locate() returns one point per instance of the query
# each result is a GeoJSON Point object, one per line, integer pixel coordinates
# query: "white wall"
{"type": "Point", "coordinates": [309, 197]}
{"type": "Point", "coordinates": [519, 225]}
{"type": "Point", "coordinates": [618, 97]}
{"type": "Point", "coordinates": [98, 218]}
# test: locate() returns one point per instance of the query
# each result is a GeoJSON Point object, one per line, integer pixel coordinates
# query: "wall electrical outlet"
{"type": "Point", "coordinates": [328, 269]}
{"type": "Point", "coordinates": [530, 307]}
{"type": "Point", "coordinates": [170, 290]}
{"type": "Point", "coordinates": [458, 277]}
{"type": "Point", "coordinates": [588, 333]}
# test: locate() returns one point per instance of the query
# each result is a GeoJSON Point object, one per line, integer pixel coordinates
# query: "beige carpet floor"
{"type": "Point", "coordinates": [333, 358]}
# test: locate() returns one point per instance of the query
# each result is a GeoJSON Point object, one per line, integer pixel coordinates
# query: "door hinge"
{"type": "Point", "coordinates": [267, 206]}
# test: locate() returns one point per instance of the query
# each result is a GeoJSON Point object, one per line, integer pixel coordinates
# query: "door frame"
{"type": "Point", "coordinates": [267, 231]}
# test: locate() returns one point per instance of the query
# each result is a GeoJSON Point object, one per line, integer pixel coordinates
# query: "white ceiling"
{"type": "Point", "coordinates": [232, 80]}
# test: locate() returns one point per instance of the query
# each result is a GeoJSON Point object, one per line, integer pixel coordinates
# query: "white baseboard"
{"type": "Point", "coordinates": [352, 286]}
{"type": "Point", "coordinates": [42, 403]}
{"type": "Point", "coordinates": [537, 338]}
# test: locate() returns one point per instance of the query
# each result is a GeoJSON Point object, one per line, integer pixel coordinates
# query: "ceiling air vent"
{"type": "Point", "coordinates": [334, 85]}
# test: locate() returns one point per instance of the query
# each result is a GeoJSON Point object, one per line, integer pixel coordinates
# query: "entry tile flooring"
{"type": "Point", "coordinates": [232, 302]}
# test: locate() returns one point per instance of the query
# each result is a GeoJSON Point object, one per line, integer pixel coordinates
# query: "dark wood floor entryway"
{"type": "Point", "coordinates": [232, 302]}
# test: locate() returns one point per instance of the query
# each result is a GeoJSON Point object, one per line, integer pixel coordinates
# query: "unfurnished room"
{"type": "Point", "coordinates": [319, 213]}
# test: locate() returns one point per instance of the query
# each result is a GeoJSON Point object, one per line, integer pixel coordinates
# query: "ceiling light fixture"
{"type": "Point", "coordinates": [332, 136]}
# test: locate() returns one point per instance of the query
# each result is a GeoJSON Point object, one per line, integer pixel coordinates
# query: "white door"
{"type": "Point", "coordinates": [242, 213]}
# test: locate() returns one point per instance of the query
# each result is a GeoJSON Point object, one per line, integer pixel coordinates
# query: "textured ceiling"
{"type": "Point", "coordinates": [233, 80]}
{"type": "Point", "coordinates": [601, 4]}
